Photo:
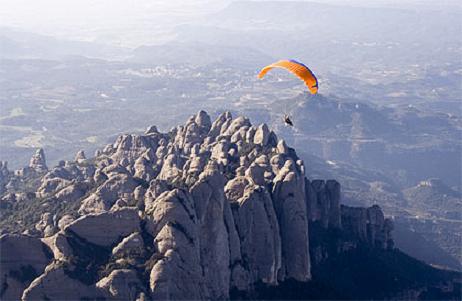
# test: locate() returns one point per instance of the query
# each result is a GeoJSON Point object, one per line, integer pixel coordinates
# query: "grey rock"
{"type": "Point", "coordinates": [64, 221]}
{"type": "Point", "coordinates": [367, 225]}
{"type": "Point", "coordinates": [4, 176]}
{"type": "Point", "coordinates": [144, 169]}
{"type": "Point", "coordinates": [50, 186]}
{"type": "Point", "coordinates": [106, 228]}
{"type": "Point", "coordinates": [257, 172]}
{"type": "Point", "coordinates": [209, 200]}
{"type": "Point", "coordinates": [151, 130]}
{"type": "Point", "coordinates": [249, 137]}
{"type": "Point", "coordinates": [258, 230]}
{"type": "Point", "coordinates": [117, 186]}
{"type": "Point", "coordinates": [55, 284]}
{"type": "Point", "coordinates": [176, 273]}
{"type": "Point", "coordinates": [72, 192]}
{"type": "Point", "coordinates": [99, 176]}
{"type": "Point", "coordinates": [156, 188]}
{"type": "Point", "coordinates": [172, 167]}
{"type": "Point", "coordinates": [38, 162]}
{"type": "Point", "coordinates": [235, 188]}
{"type": "Point", "coordinates": [132, 244]}
{"type": "Point", "coordinates": [45, 220]}
{"type": "Point", "coordinates": [282, 147]}
{"type": "Point", "coordinates": [262, 135]}
{"type": "Point", "coordinates": [220, 152]}
{"type": "Point", "coordinates": [122, 284]}
{"type": "Point", "coordinates": [237, 124]}
{"type": "Point", "coordinates": [290, 205]}
{"type": "Point", "coordinates": [202, 210]}
{"type": "Point", "coordinates": [80, 156]}
{"type": "Point", "coordinates": [323, 202]}
{"type": "Point", "coordinates": [4, 172]}
{"type": "Point", "coordinates": [202, 119]}
{"type": "Point", "coordinates": [220, 123]}
{"type": "Point", "coordinates": [22, 259]}
{"type": "Point", "coordinates": [131, 147]}
{"type": "Point", "coordinates": [59, 245]}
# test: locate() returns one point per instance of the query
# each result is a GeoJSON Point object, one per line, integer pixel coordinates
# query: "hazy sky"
{"type": "Point", "coordinates": [131, 20]}
{"type": "Point", "coordinates": [104, 19]}
{"type": "Point", "coordinates": [42, 12]}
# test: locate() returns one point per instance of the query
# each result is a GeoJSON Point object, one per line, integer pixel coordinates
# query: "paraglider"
{"type": "Point", "coordinates": [297, 68]}
{"type": "Point", "coordinates": [287, 120]}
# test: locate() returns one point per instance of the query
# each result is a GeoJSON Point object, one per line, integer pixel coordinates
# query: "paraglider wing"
{"type": "Point", "coordinates": [297, 68]}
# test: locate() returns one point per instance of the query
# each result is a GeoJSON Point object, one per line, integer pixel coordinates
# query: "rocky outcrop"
{"type": "Point", "coordinates": [323, 202]}
{"type": "Point", "coordinates": [56, 284]}
{"type": "Point", "coordinates": [368, 225]}
{"type": "Point", "coordinates": [128, 148]}
{"type": "Point", "coordinates": [38, 162]}
{"type": "Point", "coordinates": [72, 192]}
{"type": "Point", "coordinates": [209, 203]}
{"type": "Point", "coordinates": [117, 186]}
{"type": "Point", "coordinates": [64, 221]}
{"type": "Point", "coordinates": [290, 205]}
{"type": "Point", "coordinates": [80, 156]}
{"type": "Point", "coordinates": [4, 172]}
{"type": "Point", "coordinates": [104, 229]}
{"type": "Point", "coordinates": [129, 245]}
{"type": "Point", "coordinates": [196, 213]}
{"type": "Point", "coordinates": [122, 284]}
{"type": "Point", "coordinates": [176, 272]}
{"type": "Point", "coordinates": [258, 230]}
{"type": "Point", "coordinates": [4, 176]}
{"type": "Point", "coordinates": [47, 224]}
{"type": "Point", "coordinates": [59, 245]}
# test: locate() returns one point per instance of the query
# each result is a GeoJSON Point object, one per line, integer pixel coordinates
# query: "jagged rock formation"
{"type": "Point", "coordinates": [324, 202]}
{"type": "Point", "coordinates": [206, 209]}
{"type": "Point", "coordinates": [38, 162]}
{"type": "Point", "coordinates": [368, 224]}
{"type": "Point", "coordinates": [80, 156]}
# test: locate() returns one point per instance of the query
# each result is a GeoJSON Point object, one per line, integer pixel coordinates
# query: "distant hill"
{"type": "Point", "coordinates": [405, 144]}
{"type": "Point", "coordinates": [434, 195]}
{"type": "Point", "coordinates": [427, 249]}
{"type": "Point", "coordinates": [328, 34]}
{"type": "Point", "coordinates": [16, 44]}
{"type": "Point", "coordinates": [201, 54]}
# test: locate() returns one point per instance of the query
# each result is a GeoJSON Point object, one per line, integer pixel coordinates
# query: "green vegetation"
{"type": "Point", "coordinates": [25, 214]}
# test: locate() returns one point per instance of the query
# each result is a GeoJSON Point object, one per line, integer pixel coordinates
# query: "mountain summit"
{"type": "Point", "coordinates": [209, 210]}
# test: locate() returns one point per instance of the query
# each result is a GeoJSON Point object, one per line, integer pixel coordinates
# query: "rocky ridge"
{"type": "Point", "coordinates": [196, 213]}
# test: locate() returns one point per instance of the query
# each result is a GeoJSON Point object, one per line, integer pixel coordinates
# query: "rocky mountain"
{"type": "Point", "coordinates": [209, 210]}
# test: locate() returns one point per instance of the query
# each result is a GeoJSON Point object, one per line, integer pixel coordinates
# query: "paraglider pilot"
{"type": "Point", "coordinates": [287, 120]}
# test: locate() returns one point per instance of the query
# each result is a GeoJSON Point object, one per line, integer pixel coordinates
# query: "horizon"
{"type": "Point", "coordinates": [103, 21]}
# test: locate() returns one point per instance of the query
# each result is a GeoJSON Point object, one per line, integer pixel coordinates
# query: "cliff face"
{"type": "Point", "coordinates": [206, 209]}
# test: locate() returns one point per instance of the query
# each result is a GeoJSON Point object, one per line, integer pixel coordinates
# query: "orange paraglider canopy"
{"type": "Point", "coordinates": [297, 68]}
